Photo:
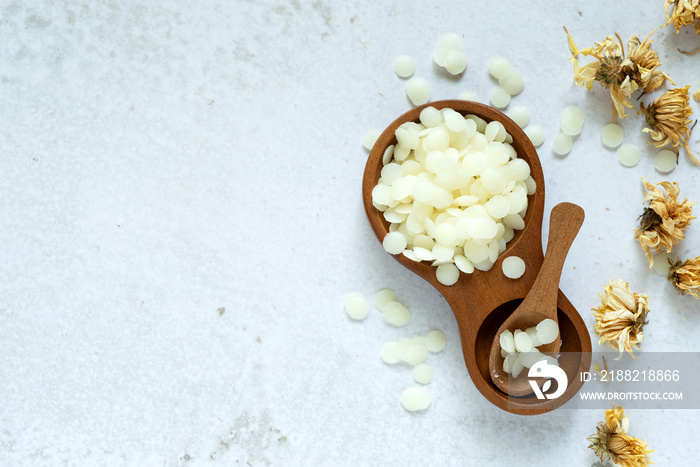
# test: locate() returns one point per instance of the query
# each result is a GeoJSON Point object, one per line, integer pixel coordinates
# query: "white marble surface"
{"type": "Point", "coordinates": [181, 217]}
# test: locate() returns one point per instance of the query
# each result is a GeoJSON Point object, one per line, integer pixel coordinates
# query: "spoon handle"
{"type": "Point", "coordinates": [564, 223]}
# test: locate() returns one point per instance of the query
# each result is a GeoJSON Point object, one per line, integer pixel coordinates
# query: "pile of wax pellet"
{"type": "Point", "coordinates": [519, 348]}
{"type": "Point", "coordinates": [453, 191]}
{"type": "Point", "coordinates": [413, 351]}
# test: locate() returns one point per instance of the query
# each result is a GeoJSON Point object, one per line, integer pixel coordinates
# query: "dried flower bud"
{"type": "Point", "coordinates": [614, 71]}
{"type": "Point", "coordinates": [668, 120]}
{"type": "Point", "coordinates": [662, 224]}
{"type": "Point", "coordinates": [611, 441]}
{"type": "Point", "coordinates": [682, 13]}
{"type": "Point", "coordinates": [621, 317]}
{"type": "Point", "coordinates": [685, 276]}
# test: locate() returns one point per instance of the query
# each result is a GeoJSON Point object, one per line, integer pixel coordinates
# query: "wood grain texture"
{"type": "Point", "coordinates": [481, 301]}
{"type": "Point", "coordinates": [541, 302]}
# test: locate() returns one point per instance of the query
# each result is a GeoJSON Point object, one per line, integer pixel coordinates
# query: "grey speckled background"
{"type": "Point", "coordinates": [180, 217]}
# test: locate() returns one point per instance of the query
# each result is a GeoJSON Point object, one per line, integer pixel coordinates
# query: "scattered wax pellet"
{"type": "Point", "coordinates": [455, 61]}
{"type": "Point", "coordinates": [394, 242]}
{"type": "Point", "coordinates": [571, 120]}
{"type": "Point", "coordinates": [520, 115]}
{"type": "Point", "coordinates": [447, 274]}
{"type": "Point", "coordinates": [508, 361]}
{"type": "Point", "coordinates": [468, 96]}
{"type": "Point", "coordinates": [446, 43]}
{"type": "Point", "coordinates": [522, 341]}
{"type": "Point", "coordinates": [397, 314]}
{"type": "Point", "coordinates": [418, 91]}
{"type": "Point", "coordinates": [390, 353]}
{"type": "Point", "coordinates": [415, 354]}
{"type": "Point", "coordinates": [513, 267]}
{"type": "Point", "coordinates": [383, 297]}
{"type": "Point", "coordinates": [463, 264]}
{"type": "Point", "coordinates": [516, 368]}
{"type": "Point", "coordinates": [504, 354]}
{"type": "Point", "coordinates": [547, 331]}
{"type": "Point", "coordinates": [370, 138]}
{"type": "Point", "coordinates": [423, 373]}
{"type": "Point", "coordinates": [661, 264]}
{"type": "Point", "coordinates": [415, 398]}
{"type": "Point", "coordinates": [612, 135]}
{"type": "Point", "coordinates": [507, 342]}
{"type": "Point", "coordinates": [562, 144]}
{"type": "Point", "coordinates": [512, 82]}
{"type": "Point", "coordinates": [498, 65]}
{"type": "Point", "coordinates": [435, 341]}
{"type": "Point", "coordinates": [629, 155]}
{"type": "Point", "coordinates": [499, 97]}
{"type": "Point", "coordinates": [356, 305]}
{"type": "Point", "coordinates": [404, 66]}
{"type": "Point", "coordinates": [535, 134]}
{"type": "Point", "coordinates": [665, 161]}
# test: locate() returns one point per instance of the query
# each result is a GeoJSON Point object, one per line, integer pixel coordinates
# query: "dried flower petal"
{"type": "Point", "coordinates": [621, 317]}
{"type": "Point", "coordinates": [663, 222]}
{"type": "Point", "coordinates": [619, 74]}
{"type": "Point", "coordinates": [685, 276]}
{"type": "Point", "coordinates": [668, 118]}
{"type": "Point", "coordinates": [611, 441]}
{"type": "Point", "coordinates": [684, 12]}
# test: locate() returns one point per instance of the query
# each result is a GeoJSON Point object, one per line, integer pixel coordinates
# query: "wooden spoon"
{"type": "Point", "coordinates": [541, 301]}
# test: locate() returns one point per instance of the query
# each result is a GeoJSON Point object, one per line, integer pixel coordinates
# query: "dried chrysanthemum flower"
{"type": "Point", "coordinates": [621, 317]}
{"type": "Point", "coordinates": [611, 441]}
{"type": "Point", "coordinates": [682, 13]}
{"type": "Point", "coordinates": [620, 74]}
{"type": "Point", "coordinates": [685, 276]}
{"type": "Point", "coordinates": [663, 222]}
{"type": "Point", "coordinates": [668, 118]}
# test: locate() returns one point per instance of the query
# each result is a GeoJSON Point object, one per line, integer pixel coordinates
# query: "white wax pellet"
{"type": "Point", "coordinates": [507, 342]}
{"type": "Point", "coordinates": [513, 267]}
{"type": "Point", "coordinates": [504, 354]}
{"type": "Point", "coordinates": [661, 265]}
{"type": "Point", "coordinates": [390, 353]}
{"type": "Point", "coordinates": [414, 399]}
{"type": "Point", "coordinates": [382, 297]}
{"type": "Point", "coordinates": [520, 115]}
{"type": "Point", "coordinates": [547, 331]}
{"type": "Point", "coordinates": [527, 359]}
{"type": "Point", "coordinates": [370, 138]}
{"type": "Point", "coordinates": [508, 361]}
{"type": "Point", "coordinates": [665, 161]}
{"type": "Point", "coordinates": [404, 66]}
{"type": "Point", "coordinates": [435, 340]}
{"type": "Point", "coordinates": [498, 206]}
{"type": "Point", "coordinates": [396, 314]}
{"type": "Point", "coordinates": [423, 373]}
{"type": "Point", "coordinates": [446, 235]}
{"type": "Point", "coordinates": [415, 354]}
{"type": "Point", "coordinates": [403, 345]}
{"type": "Point", "coordinates": [400, 188]}
{"type": "Point", "coordinates": [356, 306]}
{"type": "Point", "coordinates": [499, 97]}
{"type": "Point", "coordinates": [571, 120]}
{"type": "Point", "coordinates": [530, 185]}
{"type": "Point", "coordinates": [454, 121]}
{"type": "Point", "coordinates": [514, 221]}
{"type": "Point", "coordinates": [522, 341]}
{"type": "Point", "coordinates": [445, 44]}
{"type": "Point", "coordinates": [388, 154]}
{"type": "Point", "coordinates": [430, 117]}
{"type": "Point", "coordinates": [521, 169]}
{"type": "Point", "coordinates": [418, 91]}
{"type": "Point", "coordinates": [455, 61]}
{"type": "Point", "coordinates": [629, 155]}
{"type": "Point", "coordinates": [493, 181]}
{"type": "Point", "coordinates": [437, 140]}
{"type": "Point", "coordinates": [498, 65]}
{"type": "Point", "coordinates": [441, 252]}
{"type": "Point", "coordinates": [535, 134]}
{"type": "Point", "coordinates": [468, 96]}
{"type": "Point", "coordinates": [516, 368]}
{"type": "Point", "coordinates": [562, 144]}
{"type": "Point", "coordinates": [407, 137]}
{"type": "Point", "coordinates": [512, 82]}
{"type": "Point", "coordinates": [394, 242]}
{"type": "Point", "coordinates": [463, 264]}
{"type": "Point", "coordinates": [532, 333]}
{"type": "Point", "coordinates": [447, 274]}
{"type": "Point", "coordinates": [611, 135]}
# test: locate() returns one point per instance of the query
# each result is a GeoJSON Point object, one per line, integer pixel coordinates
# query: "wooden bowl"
{"type": "Point", "coordinates": [481, 301]}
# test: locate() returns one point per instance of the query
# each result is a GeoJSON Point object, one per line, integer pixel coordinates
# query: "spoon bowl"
{"type": "Point", "coordinates": [481, 301]}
